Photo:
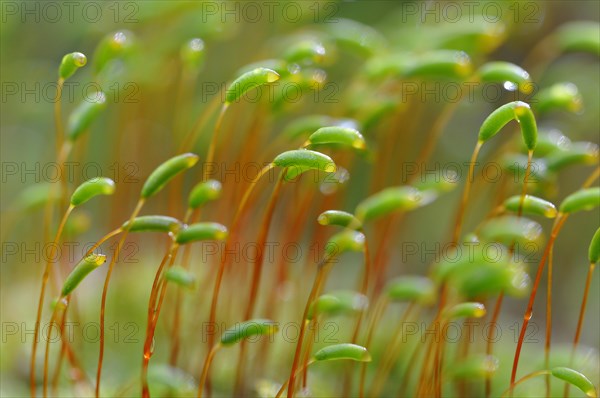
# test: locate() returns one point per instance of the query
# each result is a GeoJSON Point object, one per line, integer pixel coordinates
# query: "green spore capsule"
{"type": "Point", "coordinates": [531, 205]}
{"type": "Point", "coordinates": [440, 182]}
{"type": "Point", "coordinates": [472, 33]}
{"type": "Point", "coordinates": [347, 351]}
{"type": "Point", "coordinates": [387, 201]}
{"type": "Point", "coordinates": [244, 330]}
{"type": "Point", "coordinates": [346, 241]}
{"type": "Point", "coordinates": [550, 141]}
{"type": "Point", "coordinates": [576, 379]}
{"type": "Point", "coordinates": [180, 276]}
{"type": "Point", "coordinates": [248, 81]}
{"type": "Point", "coordinates": [36, 196]}
{"type": "Point", "coordinates": [516, 110]}
{"type": "Point", "coordinates": [584, 199]}
{"type": "Point", "coordinates": [90, 188]}
{"type": "Point", "coordinates": [465, 310]}
{"type": "Point", "coordinates": [115, 45]}
{"type": "Point", "coordinates": [382, 66]}
{"type": "Point", "coordinates": [338, 303]}
{"type": "Point", "coordinates": [300, 160]}
{"type": "Point", "coordinates": [476, 367]}
{"type": "Point", "coordinates": [203, 192]}
{"type": "Point", "coordinates": [581, 36]}
{"type": "Point", "coordinates": [411, 288]}
{"type": "Point", "coordinates": [78, 223]}
{"type": "Point", "coordinates": [343, 136]}
{"type": "Point", "coordinates": [153, 224]}
{"type": "Point", "coordinates": [339, 218]}
{"type": "Point", "coordinates": [578, 153]}
{"type": "Point", "coordinates": [70, 63]}
{"type": "Point", "coordinates": [507, 229]}
{"type": "Point", "coordinates": [201, 231]}
{"type": "Point", "coordinates": [439, 63]}
{"type": "Point", "coordinates": [81, 270]}
{"type": "Point", "coordinates": [467, 256]}
{"type": "Point", "coordinates": [559, 96]}
{"type": "Point", "coordinates": [516, 163]}
{"type": "Point", "coordinates": [506, 72]}
{"type": "Point", "coordinates": [305, 52]}
{"type": "Point", "coordinates": [491, 278]}
{"type": "Point", "coordinates": [356, 37]}
{"type": "Point", "coordinates": [278, 65]}
{"type": "Point", "coordinates": [82, 117]}
{"type": "Point", "coordinates": [166, 171]}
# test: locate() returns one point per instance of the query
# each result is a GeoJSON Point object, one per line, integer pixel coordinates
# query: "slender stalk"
{"type": "Point", "coordinates": [60, 333]}
{"type": "Point", "coordinates": [500, 299]}
{"type": "Point", "coordinates": [213, 141]}
{"type": "Point", "coordinates": [462, 352]}
{"type": "Point", "coordinates": [47, 350]}
{"type": "Point", "coordinates": [104, 239]}
{"type": "Point", "coordinates": [256, 276]}
{"type": "Point", "coordinates": [204, 375]}
{"type": "Point", "coordinates": [465, 197]}
{"type": "Point", "coordinates": [431, 348]}
{"type": "Point", "coordinates": [285, 384]}
{"type": "Point", "coordinates": [60, 140]}
{"type": "Point", "coordinates": [588, 182]}
{"type": "Point", "coordinates": [523, 379]}
{"type": "Point", "coordinates": [65, 350]}
{"type": "Point", "coordinates": [281, 275]}
{"type": "Point", "coordinates": [547, 343]}
{"type": "Point", "coordinates": [559, 221]}
{"type": "Point", "coordinates": [234, 225]}
{"type": "Point", "coordinates": [38, 319]}
{"type": "Point", "coordinates": [390, 355]}
{"type": "Point", "coordinates": [191, 138]}
{"type": "Point", "coordinates": [315, 325]}
{"type": "Point", "coordinates": [439, 363]}
{"type": "Point", "coordinates": [363, 289]}
{"type": "Point", "coordinates": [378, 311]}
{"type": "Point", "coordinates": [58, 126]}
{"type": "Point", "coordinates": [185, 86]}
{"type": "Point", "coordinates": [316, 288]}
{"type": "Point", "coordinates": [409, 369]}
{"type": "Point", "coordinates": [147, 352]}
{"type": "Point", "coordinates": [433, 137]}
{"type": "Point", "coordinates": [113, 261]}
{"type": "Point", "coordinates": [435, 323]}
{"type": "Point", "coordinates": [489, 348]}
{"type": "Point", "coordinates": [175, 335]}
{"type": "Point", "coordinates": [588, 282]}
{"type": "Point", "coordinates": [380, 250]}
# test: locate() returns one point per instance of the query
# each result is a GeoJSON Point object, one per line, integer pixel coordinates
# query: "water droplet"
{"type": "Point", "coordinates": [196, 45]}
{"type": "Point", "coordinates": [319, 76]}
{"type": "Point", "coordinates": [359, 237]}
{"type": "Point", "coordinates": [120, 38]}
{"type": "Point", "coordinates": [319, 49]}
{"type": "Point", "coordinates": [532, 231]}
{"type": "Point", "coordinates": [293, 68]}
{"type": "Point", "coordinates": [510, 86]}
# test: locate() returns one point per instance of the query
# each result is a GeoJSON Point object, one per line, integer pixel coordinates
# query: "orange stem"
{"type": "Point", "coordinates": [113, 261]}
{"type": "Point", "coordinates": [40, 308]}
{"type": "Point", "coordinates": [560, 220]}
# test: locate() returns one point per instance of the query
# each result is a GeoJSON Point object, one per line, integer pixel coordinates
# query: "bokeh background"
{"type": "Point", "coordinates": [152, 105]}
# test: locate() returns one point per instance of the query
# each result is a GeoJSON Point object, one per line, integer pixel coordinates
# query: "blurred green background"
{"type": "Point", "coordinates": [144, 119]}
